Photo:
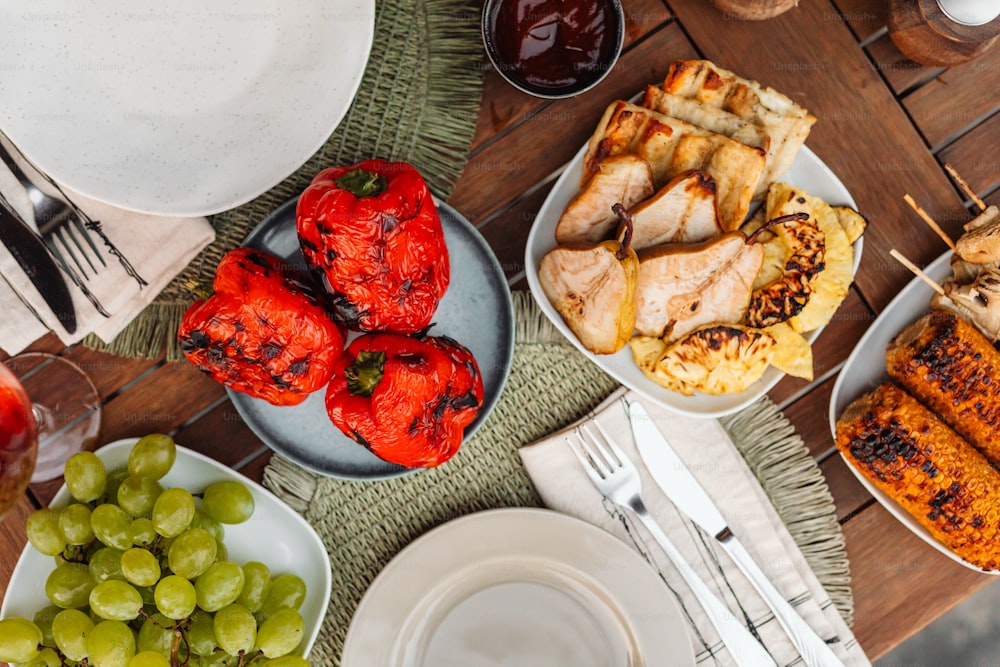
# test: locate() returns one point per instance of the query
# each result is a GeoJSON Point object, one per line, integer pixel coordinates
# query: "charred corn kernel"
{"type": "Point", "coordinates": [931, 471]}
{"type": "Point", "coordinates": [950, 367]}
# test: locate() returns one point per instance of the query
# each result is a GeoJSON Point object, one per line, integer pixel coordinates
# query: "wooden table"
{"type": "Point", "coordinates": [885, 126]}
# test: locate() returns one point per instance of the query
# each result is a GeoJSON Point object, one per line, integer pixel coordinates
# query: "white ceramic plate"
{"type": "Point", "coordinates": [178, 108]}
{"type": "Point", "coordinates": [865, 370]}
{"type": "Point", "coordinates": [517, 588]}
{"type": "Point", "coordinates": [275, 535]}
{"type": "Point", "coordinates": [807, 172]}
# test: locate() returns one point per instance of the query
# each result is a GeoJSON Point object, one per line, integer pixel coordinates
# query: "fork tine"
{"type": "Point", "coordinates": [67, 231]}
{"type": "Point", "coordinates": [85, 233]}
{"type": "Point", "coordinates": [608, 459]}
{"type": "Point", "coordinates": [584, 458]}
{"type": "Point", "coordinates": [615, 449]}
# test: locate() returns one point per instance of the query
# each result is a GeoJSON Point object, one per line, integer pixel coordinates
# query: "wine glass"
{"type": "Point", "coordinates": [18, 440]}
{"type": "Point", "coordinates": [65, 405]}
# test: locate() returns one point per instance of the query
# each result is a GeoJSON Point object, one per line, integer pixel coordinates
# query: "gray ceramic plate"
{"type": "Point", "coordinates": [477, 311]}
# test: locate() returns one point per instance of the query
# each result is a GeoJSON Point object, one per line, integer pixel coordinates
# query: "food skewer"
{"type": "Point", "coordinates": [917, 271]}
{"type": "Point", "coordinates": [969, 192]}
{"type": "Point", "coordinates": [929, 220]}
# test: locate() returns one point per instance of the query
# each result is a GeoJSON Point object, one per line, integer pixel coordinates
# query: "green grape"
{"type": "Point", "coordinates": [115, 600]}
{"type": "Point", "coordinates": [192, 552]}
{"type": "Point", "coordinates": [19, 640]}
{"type": "Point", "coordinates": [201, 633]}
{"type": "Point", "coordinates": [115, 479]}
{"type": "Point", "coordinates": [152, 456]}
{"type": "Point", "coordinates": [105, 564]}
{"type": "Point", "coordinates": [74, 523]}
{"type": "Point", "coordinates": [111, 526]}
{"type": "Point", "coordinates": [228, 502]}
{"type": "Point", "coordinates": [175, 597]}
{"type": "Point", "coordinates": [221, 550]}
{"type": "Point", "coordinates": [43, 531]}
{"type": "Point", "coordinates": [287, 590]}
{"type": "Point", "coordinates": [173, 512]}
{"type": "Point", "coordinates": [47, 657]}
{"type": "Point", "coordinates": [70, 629]}
{"type": "Point", "coordinates": [156, 634]}
{"type": "Point", "coordinates": [202, 520]}
{"type": "Point", "coordinates": [136, 494]}
{"type": "Point", "coordinates": [146, 593]}
{"type": "Point", "coordinates": [140, 567]}
{"type": "Point", "coordinates": [43, 619]}
{"type": "Point", "coordinates": [256, 584]}
{"type": "Point", "coordinates": [235, 629]}
{"type": "Point", "coordinates": [142, 532]}
{"type": "Point", "coordinates": [148, 659]}
{"type": "Point", "coordinates": [281, 633]}
{"type": "Point", "coordinates": [110, 644]}
{"type": "Point", "coordinates": [68, 586]}
{"type": "Point", "coordinates": [86, 477]}
{"type": "Point", "coordinates": [219, 585]}
{"type": "Point", "coordinates": [288, 661]}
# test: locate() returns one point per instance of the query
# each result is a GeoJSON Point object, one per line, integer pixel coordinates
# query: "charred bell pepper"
{"type": "Point", "coordinates": [374, 232]}
{"type": "Point", "coordinates": [406, 398]}
{"type": "Point", "coordinates": [262, 332]}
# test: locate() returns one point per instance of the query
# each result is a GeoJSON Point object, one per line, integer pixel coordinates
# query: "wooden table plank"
{"type": "Point", "coordinates": [849, 496]}
{"type": "Point", "coordinates": [900, 583]}
{"type": "Point", "coordinates": [12, 539]}
{"type": "Point", "coordinates": [957, 100]}
{"type": "Point", "coordinates": [865, 17]}
{"type": "Point", "coordinates": [222, 435]}
{"type": "Point", "coordinates": [899, 71]}
{"type": "Point", "coordinates": [506, 232]}
{"type": "Point", "coordinates": [879, 157]}
{"type": "Point", "coordinates": [499, 173]}
{"type": "Point", "coordinates": [976, 156]}
{"type": "Point", "coordinates": [505, 106]}
{"type": "Point", "coordinates": [809, 416]}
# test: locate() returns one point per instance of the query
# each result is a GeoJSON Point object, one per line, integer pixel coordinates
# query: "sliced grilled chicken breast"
{"type": "Point", "coordinates": [589, 218]}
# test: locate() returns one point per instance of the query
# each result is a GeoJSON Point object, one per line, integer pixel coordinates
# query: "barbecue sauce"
{"type": "Point", "coordinates": [554, 44]}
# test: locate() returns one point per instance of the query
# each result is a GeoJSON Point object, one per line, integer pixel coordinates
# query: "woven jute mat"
{"type": "Point", "coordinates": [418, 102]}
{"type": "Point", "coordinates": [365, 524]}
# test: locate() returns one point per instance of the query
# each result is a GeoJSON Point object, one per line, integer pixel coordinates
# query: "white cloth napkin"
{"type": "Point", "coordinates": [157, 247]}
{"type": "Point", "coordinates": [711, 456]}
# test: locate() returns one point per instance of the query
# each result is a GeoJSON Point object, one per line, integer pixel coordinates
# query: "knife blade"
{"type": "Point", "coordinates": [679, 484]}
{"type": "Point", "coordinates": [33, 257]}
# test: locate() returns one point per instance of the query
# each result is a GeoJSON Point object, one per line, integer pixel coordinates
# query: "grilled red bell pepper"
{"type": "Point", "coordinates": [262, 332]}
{"type": "Point", "coordinates": [374, 232]}
{"type": "Point", "coordinates": [406, 398]}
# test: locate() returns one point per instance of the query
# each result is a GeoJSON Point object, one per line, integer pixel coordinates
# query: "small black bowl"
{"type": "Point", "coordinates": [589, 75]}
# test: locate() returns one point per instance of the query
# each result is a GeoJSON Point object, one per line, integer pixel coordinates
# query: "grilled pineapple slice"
{"type": "Point", "coordinates": [715, 359]}
{"type": "Point", "coordinates": [854, 223]}
{"type": "Point", "coordinates": [792, 354]}
{"type": "Point", "coordinates": [774, 250]}
{"type": "Point", "coordinates": [829, 286]}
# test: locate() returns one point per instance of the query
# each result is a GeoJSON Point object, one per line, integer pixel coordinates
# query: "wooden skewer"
{"type": "Point", "coordinates": [965, 187]}
{"type": "Point", "coordinates": [929, 220]}
{"type": "Point", "coordinates": [917, 272]}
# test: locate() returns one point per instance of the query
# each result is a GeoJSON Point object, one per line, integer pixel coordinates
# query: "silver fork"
{"type": "Point", "coordinates": [617, 478]}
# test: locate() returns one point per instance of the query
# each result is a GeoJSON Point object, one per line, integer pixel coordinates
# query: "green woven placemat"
{"type": "Point", "coordinates": [418, 102]}
{"type": "Point", "coordinates": [365, 524]}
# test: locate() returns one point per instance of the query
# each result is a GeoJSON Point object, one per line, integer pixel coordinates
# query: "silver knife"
{"type": "Point", "coordinates": [686, 493]}
{"type": "Point", "coordinates": [33, 257]}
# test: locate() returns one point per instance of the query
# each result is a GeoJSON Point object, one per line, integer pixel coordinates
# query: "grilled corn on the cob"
{"type": "Point", "coordinates": [931, 471]}
{"type": "Point", "coordinates": [953, 369]}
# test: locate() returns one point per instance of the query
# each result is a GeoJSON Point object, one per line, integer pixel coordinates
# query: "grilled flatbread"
{"type": "Point", "coordinates": [786, 123]}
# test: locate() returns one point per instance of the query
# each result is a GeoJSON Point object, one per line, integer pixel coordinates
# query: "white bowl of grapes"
{"type": "Point", "coordinates": [153, 555]}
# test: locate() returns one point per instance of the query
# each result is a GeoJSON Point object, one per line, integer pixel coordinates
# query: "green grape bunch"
{"type": "Point", "coordinates": [142, 577]}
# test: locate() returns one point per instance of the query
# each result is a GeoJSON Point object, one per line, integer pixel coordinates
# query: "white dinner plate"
{"type": "Point", "coordinates": [865, 370]}
{"type": "Point", "coordinates": [517, 588]}
{"type": "Point", "coordinates": [807, 172]}
{"type": "Point", "coordinates": [275, 535]}
{"type": "Point", "coordinates": [178, 108]}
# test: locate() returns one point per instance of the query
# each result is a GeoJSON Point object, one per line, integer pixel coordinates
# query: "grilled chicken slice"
{"type": "Point", "coordinates": [682, 287]}
{"type": "Point", "coordinates": [593, 289]}
{"type": "Point", "coordinates": [589, 217]}
{"type": "Point", "coordinates": [683, 211]}
{"type": "Point", "coordinates": [980, 244]}
{"type": "Point", "coordinates": [977, 302]}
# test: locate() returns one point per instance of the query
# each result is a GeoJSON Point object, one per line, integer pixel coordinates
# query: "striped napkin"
{"type": "Point", "coordinates": [157, 247]}
{"type": "Point", "coordinates": [713, 459]}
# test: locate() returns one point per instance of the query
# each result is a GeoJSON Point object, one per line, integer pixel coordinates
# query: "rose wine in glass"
{"type": "Point", "coordinates": [65, 405]}
{"type": "Point", "coordinates": [18, 440]}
